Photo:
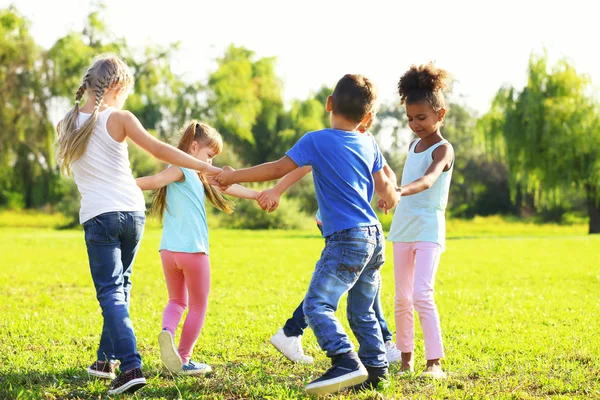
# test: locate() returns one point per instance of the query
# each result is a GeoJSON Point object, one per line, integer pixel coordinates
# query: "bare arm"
{"type": "Point", "coordinates": [171, 174]}
{"type": "Point", "coordinates": [269, 198]}
{"type": "Point", "coordinates": [163, 151]}
{"type": "Point", "coordinates": [260, 173]}
{"type": "Point", "coordinates": [443, 157]}
{"type": "Point", "coordinates": [386, 189]}
{"type": "Point", "coordinates": [389, 172]}
{"type": "Point", "coordinates": [242, 192]}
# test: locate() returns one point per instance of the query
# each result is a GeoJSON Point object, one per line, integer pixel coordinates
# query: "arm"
{"type": "Point", "coordinates": [269, 198]}
{"type": "Point", "coordinates": [260, 173]}
{"type": "Point", "coordinates": [163, 151]}
{"type": "Point", "coordinates": [389, 172]}
{"type": "Point", "coordinates": [443, 157]}
{"type": "Point", "coordinates": [242, 192]}
{"type": "Point", "coordinates": [386, 190]}
{"type": "Point", "coordinates": [171, 174]}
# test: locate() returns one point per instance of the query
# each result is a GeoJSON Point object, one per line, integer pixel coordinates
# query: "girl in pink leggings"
{"type": "Point", "coordinates": [419, 228]}
{"type": "Point", "coordinates": [179, 200]}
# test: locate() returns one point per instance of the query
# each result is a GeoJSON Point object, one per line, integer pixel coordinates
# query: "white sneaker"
{"type": "Point", "coordinates": [168, 353]}
{"type": "Point", "coordinates": [434, 373]}
{"type": "Point", "coordinates": [392, 353]}
{"type": "Point", "coordinates": [290, 347]}
{"type": "Point", "coordinates": [193, 368]}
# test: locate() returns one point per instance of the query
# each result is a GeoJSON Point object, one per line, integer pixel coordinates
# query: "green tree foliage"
{"type": "Point", "coordinates": [26, 175]}
{"type": "Point", "coordinates": [548, 133]}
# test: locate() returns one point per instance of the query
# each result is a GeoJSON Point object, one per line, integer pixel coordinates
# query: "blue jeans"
{"type": "Point", "coordinates": [349, 263]}
{"type": "Point", "coordinates": [112, 241]}
{"type": "Point", "coordinates": [296, 325]}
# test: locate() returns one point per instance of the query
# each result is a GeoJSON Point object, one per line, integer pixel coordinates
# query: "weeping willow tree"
{"type": "Point", "coordinates": [549, 136]}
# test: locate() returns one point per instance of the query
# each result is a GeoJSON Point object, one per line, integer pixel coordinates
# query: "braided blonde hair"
{"type": "Point", "coordinates": [106, 72]}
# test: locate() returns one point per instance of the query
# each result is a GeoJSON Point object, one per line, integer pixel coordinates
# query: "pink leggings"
{"type": "Point", "coordinates": [188, 277]}
{"type": "Point", "coordinates": [415, 265]}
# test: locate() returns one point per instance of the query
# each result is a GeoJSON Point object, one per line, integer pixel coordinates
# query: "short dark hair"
{"type": "Point", "coordinates": [353, 97]}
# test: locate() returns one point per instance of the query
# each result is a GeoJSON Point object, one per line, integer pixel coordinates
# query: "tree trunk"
{"type": "Point", "coordinates": [593, 203]}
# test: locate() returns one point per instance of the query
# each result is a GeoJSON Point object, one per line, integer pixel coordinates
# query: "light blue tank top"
{"type": "Point", "coordinates": [185, 228]}
{"type": "Point", "coordinates": [421, 217]}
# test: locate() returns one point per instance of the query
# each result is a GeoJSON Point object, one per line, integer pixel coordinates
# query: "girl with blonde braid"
{"type": "Point", "coordinates": [92, 146]}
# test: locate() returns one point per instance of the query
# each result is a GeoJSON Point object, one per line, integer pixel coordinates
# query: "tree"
{"type": "Point", "coordinates": [549, 134]}
{"type": "Point", "coordinates": [25, 131]}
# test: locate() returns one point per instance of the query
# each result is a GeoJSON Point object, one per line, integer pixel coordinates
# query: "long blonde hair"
{"type": "Point", "coordinates": [106, 72]}
{"type": "Point", "coordinates": [206, 136]}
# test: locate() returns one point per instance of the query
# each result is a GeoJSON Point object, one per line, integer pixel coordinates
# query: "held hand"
{"type": "Point", "coordinates": [269, 200]}
{"type": "Point", "coordinates": [381, 204]}
{"type": "Point", "coordinates": [225, 178]}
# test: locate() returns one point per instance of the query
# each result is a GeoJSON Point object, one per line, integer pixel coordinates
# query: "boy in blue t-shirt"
{"type": "Point", "coordinates": [347, 169]}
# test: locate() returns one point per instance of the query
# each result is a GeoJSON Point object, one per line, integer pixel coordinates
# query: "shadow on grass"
{"type": "Point", "coordinates": [229, 381]}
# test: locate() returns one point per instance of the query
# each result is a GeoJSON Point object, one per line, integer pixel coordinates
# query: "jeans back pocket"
{"type": "Point", "coordinates": [351, 265]}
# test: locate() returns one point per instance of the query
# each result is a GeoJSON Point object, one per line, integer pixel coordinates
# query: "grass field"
{"type": "Point", "coordinates": [519, 304]}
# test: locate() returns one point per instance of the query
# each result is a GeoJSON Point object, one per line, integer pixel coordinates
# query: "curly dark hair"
{"type": "Point", "coordinates": [423, 82]}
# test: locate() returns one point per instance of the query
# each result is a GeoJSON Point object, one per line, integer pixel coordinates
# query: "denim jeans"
{"type": "Point", "coordinates": [350, 262]}
{"type": "Point", "coordinates": [112, 241]}
{"type": "Point", "coordinates": [296, 325]}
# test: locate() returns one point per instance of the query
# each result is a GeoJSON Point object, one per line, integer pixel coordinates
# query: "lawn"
{"type": "Point", "coordinates": [519, 305]}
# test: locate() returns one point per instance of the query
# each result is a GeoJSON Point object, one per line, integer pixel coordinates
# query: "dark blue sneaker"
{"type": "Point", "coordinates": [376, 375]}
{"type": "Point", "coordinates": [346, 370]}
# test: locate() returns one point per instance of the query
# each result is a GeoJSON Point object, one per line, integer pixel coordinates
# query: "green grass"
{"type": "Point", "coordinates": [519, 315]}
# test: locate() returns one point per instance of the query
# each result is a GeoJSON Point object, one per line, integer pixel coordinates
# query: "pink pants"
{"type": "Point", "coordinates": [415, 265]}
{"type": "Point", "coordinates": [188, 283]}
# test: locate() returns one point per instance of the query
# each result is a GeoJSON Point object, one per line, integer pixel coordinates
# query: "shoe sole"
{"type": "Point", "coordinates": [129, 387]}
{"type": "Point", "coordinates": [99, 374]}
{"type": "Point", "coordinates": [168, 352]}
{"type": "Point", "coordinates": [277, 346]}
{"type": "Point", "coordinates": [337, 384]}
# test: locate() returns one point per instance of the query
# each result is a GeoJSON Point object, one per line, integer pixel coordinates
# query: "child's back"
{"type": "Point", "coordinates": [103, 173]}
{"type": "Point", "coordinates": [343, 164]}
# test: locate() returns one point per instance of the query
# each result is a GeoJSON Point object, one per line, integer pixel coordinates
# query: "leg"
{"type": "Point", "coordinates": [103, 241]}
{"type": "Point", "coordinates": [196, 270]}
{"type": "Point", "coordinates": [427, 261]}
{"type": "Point", "coordinates": [361, 314]}
{"type": "Point", "coordinates": [404, 270]}
{"type": "Point", "coordinates": [336, 272]}
{"type": "Point", "coordinates": [175, 281]}
{"type": "Point", "coordinates": [385, 331]}
{"type": "Point", "coordinates": [296, 325]}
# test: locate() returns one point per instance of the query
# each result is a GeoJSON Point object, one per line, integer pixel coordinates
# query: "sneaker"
{"type": "Point", "coordinates": [392, 353]}
{"type": "Point", "coordinates": [192, 368]}
{"type": "Point", "coordinates": [290, 347]}
{"type": "Point", "coordinates": [168, 352]}
{"type": "Point", "coordinates": [103, 369]}
{"type": "Point", "coordinates": [129, 382]}
{"type": "Point", "coordinates": [376, 375]}
{"type": "Point", "coordinates": [434, 372]}
{"type": "Point", "coordinates": [346, 371]}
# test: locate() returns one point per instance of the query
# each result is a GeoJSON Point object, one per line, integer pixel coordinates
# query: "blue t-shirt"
{"type": "Point", "coordinates": [343, 164]}
{"type": "Point", "coordinates": [185, 229]}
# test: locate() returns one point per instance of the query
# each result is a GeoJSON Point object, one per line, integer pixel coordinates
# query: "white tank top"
{"type": "Point", "coordinates": [421, 217]}
{"type": "Point", "coordinates": [103, 174]}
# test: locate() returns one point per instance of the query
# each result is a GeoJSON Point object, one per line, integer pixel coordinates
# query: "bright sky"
{"type": "Point", "coordinates": [483, 44]}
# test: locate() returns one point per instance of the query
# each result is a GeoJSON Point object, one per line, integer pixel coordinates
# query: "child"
{"type": "Point", "coordinates": [91, 143]}
{"type": "Point", "coordinates": [184, 244]}
{"type": "Point", "coordinates": [418, 228]}
{"type": "Point", "coordinates": [288, 340]}
{"type": "Point", "coordinates": [347, 167]}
